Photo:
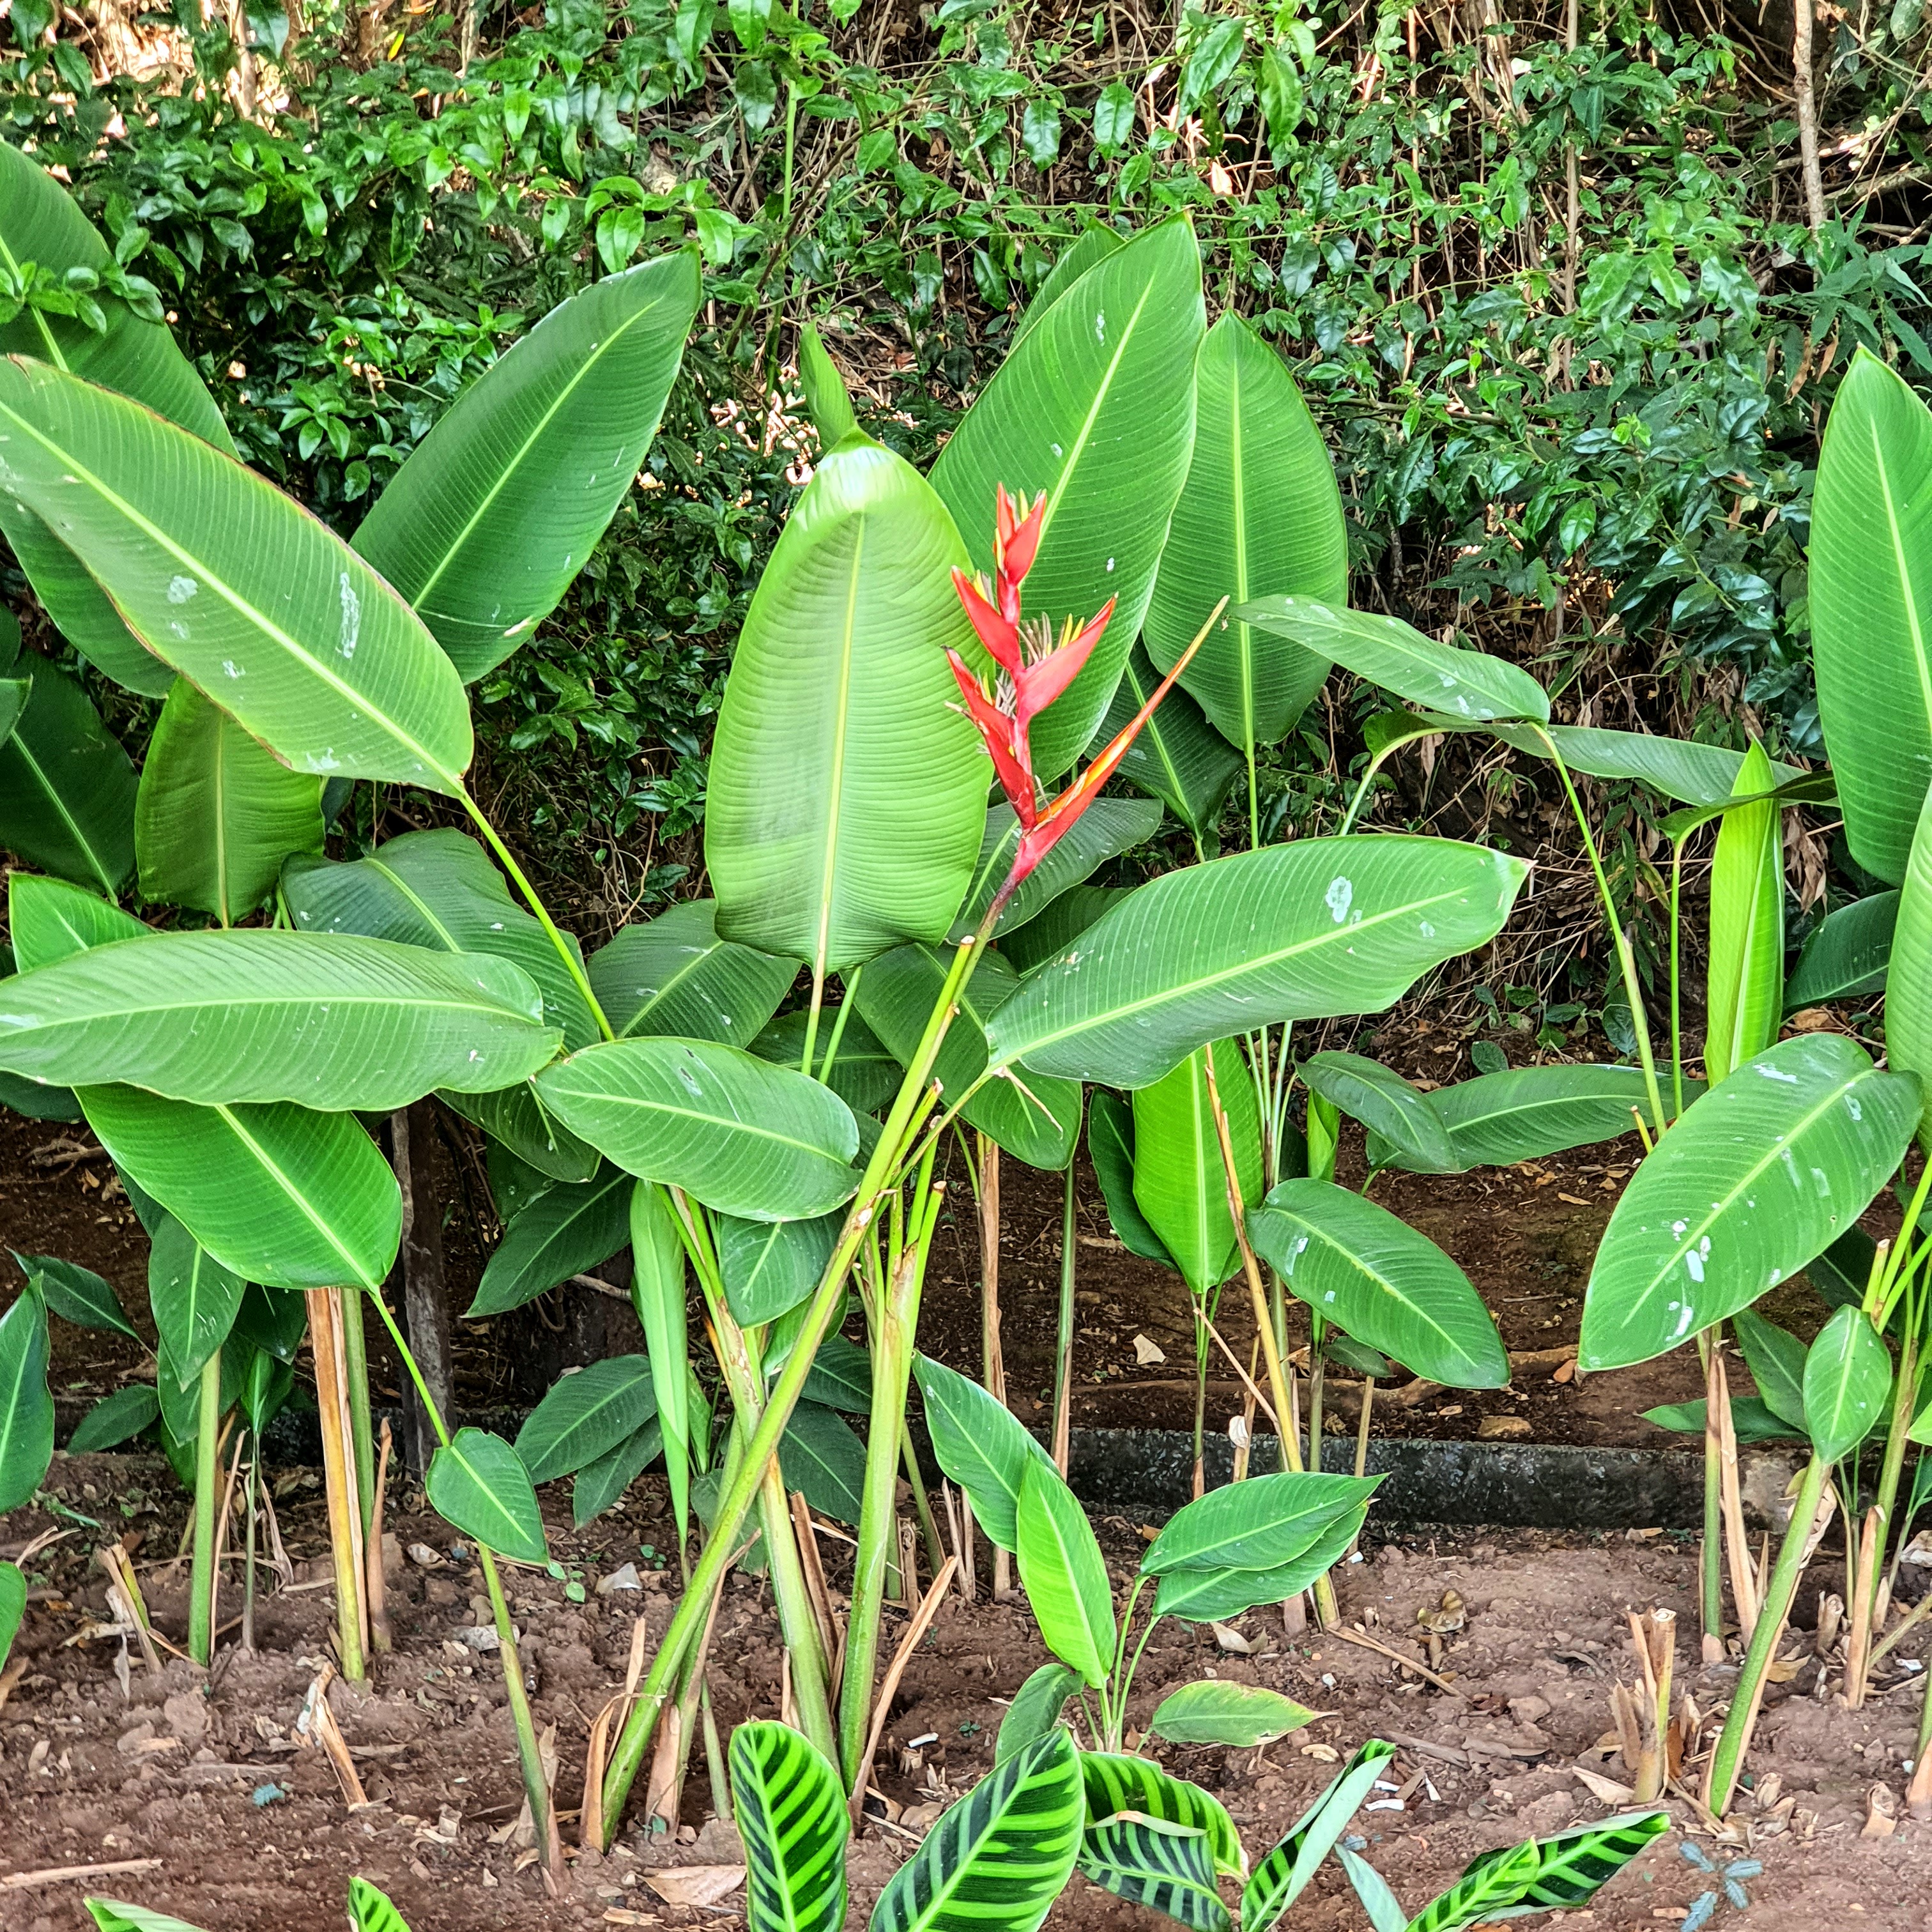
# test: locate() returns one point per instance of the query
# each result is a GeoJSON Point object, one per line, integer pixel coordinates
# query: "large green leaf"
{"type": "Point", "coordinates": [586, 1415]}
{"type": "Point", "coordinates": [1217, 1713]}
{"type": "Point", "coordinates": [500, 506]}
{"type": "Point", "coordinates": [1180, 1180]}
{"type": "Point", "coordinates": [820, 1458]}
{"type": "Point", "coordinates": [1035, 1710]}
{"type": "Point", "coordinates": [280, 1195]}
{"type": "Point", "coordinates": [1115, 1783]}
{"type": "Point", "coordinates": [77, 1294]}
{"type": "Point", "coordinates": [235, 586]}
{"type": "Point", "coordinates": [658, 1296]}
{"type": "Point", "coordinates": [216, 814]}
{"type": "Point", "coordinates": [194, 1299]}
{"type": "Point", "coordinates": [865, 1075]}
{"type": "Point", "coordinates": [39, 223]}
{"type": "Point", "coordinates": [827, 400]}
{"type": "Point", "coordinates": [769, 1266]}
{"type": "Point", "coordinates": [1260, 516]}
{"type": "Point", "coordinates": [1847, 1378]}
{"type": "Point", "coordinates": [1000, 1856]}
{"type": "Point", "coordinates": [1398, 1114]}
{"type": "Point", "coordinates": [439, 890]}
{"type": "Point", "coordinates": [846, 797]}
{"type": "Point", "coordinates": [1776, 1360]}
{"type": "Point", "coordinates": [1300, 931]}
{"type": "Point", "coordinates": [1527, 1112]}
{"type": "Point", "coordinates": [1908, 985]}
{"type": "Point", "coordinates": [1745, 986]}
{"type": "Point", "coordinates": [1387, 1284]}
{"type": "Point", "coordinates": [1280, 1878]}
{"type": "Point", "coordinates": [114, 1419]}
{"type": "Point", "coordinates": [1846, 954]}
{"type": "Point", "coordinates": [1259, 1524]}
{"type": "Point", "coordinates": [1060, 924]}
{"type": "Point", "coordinates": [1212, 1596]}
{"type": "Point", "coordinates": [515, 1116]}
{"type": "Point", "coordinates": [1753, 1182]}
{"type": "Point", "coordinates": [840, 1377]}
{"type": "Point", "coordinates": [50, 920]}
{"type": "Point", "coordinates": [477, 1483]}
{"type": "Point", "coordinates": [26, 1408]}
{"type": "Point", "coordinates": [1108, 827]}
{"type": "Point", "coordinates": [979, 1442]}
{"type": "Point", "coordinates": [674, 976]}
{"type": "Point", "coordinates": [1178, 757]}
{"type": "Point", "coordinates": [1700, 775]}
{"type": "Point", "coordinates": [599, 1485]}
{"type": "Point", "coordinates": [1035, 1118]}
{"type": "Point", "coordinates": [751, 1139]}
{"type": "Point", "coordinates": [1095, 406]}
{"type": "Point", "coordinates": [1168, 1868]}
{"type": "Point", "coordinates": [790, 1809]}
{"type": "Point", "coordinates": [1871, 609]}
{"type": "Point", "coordinates": [1110, 1146]}
{"type": "Point", "coordinates": [1063, 1573]}
{"type": "Point", "coordinates": [67, 789]}
{"type": "Point", "coordinates": [257, 1015]}
{"type": "Point", "coordinates": [1467, 686]}
{"type": "Point", "coordinates": [1093, 244]}
{"type": "Point", "coordinates": [565, 1231]}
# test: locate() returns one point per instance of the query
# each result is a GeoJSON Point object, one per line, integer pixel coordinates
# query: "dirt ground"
{"type": "Point", "coordinates": [253, 1833]}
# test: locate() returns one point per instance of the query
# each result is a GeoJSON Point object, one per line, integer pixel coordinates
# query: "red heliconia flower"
{"type": "Point", "coordinates": [1034, 670]}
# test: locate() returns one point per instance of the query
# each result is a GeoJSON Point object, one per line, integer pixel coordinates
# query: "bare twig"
{"type": "Point", "coordinates": [916, 1630]}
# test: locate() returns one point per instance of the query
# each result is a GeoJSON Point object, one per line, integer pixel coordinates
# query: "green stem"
{"type": "Point", "coordinates": [1318, 1332]}
{"type": "Point", "coordinates": [1063, 1356]}
{"type": "Point", "coordinates": [1361, 797]}
{"type": "Point", "coordinates": [850, 992]}
{"type": "Point", "coordinates": [811, 1013]}
{"type": "Point", "coordinates": [207, 1507]}
{"type": "Point", "coordinates": [1727, 1760]}
{"type": "Point", "coordinates": [1676, 979]}
{"type": "Point", "coordinates": [1864, 1608]}
{"type": "Point", "coordinates": [714, 1758]}
{"type": "Point", "coordinates": [928, 1524]}
{"type": "Point", "coordinates": [361, 1430]}
{"type": "Point", "coordinates": [735, 1500]}
{"type": "Point", "coordinates": [248, 1567]}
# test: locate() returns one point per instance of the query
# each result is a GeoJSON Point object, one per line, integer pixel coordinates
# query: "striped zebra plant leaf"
{"type": "Point", "coordinates": [372, 1911]}
{"type": "Point", "coordinates": [1168, 1868]}
{"type": "Point", "coordinates": [1493, 1883]}
{"type": "Point", "coordinates": [998, 1859]}
{"type": "Point", "coordinates": [1573, 1864]}
{"type": "Point", "coordinates": [791, 1815]}
{"type": "Point", "coordinates": [1116, 1784]}
{"type": "Point", "coordinates": [1280, 1878]}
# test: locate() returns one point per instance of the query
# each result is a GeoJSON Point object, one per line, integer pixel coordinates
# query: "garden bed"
{"type": "Point", "coordinates": [251, 1834]}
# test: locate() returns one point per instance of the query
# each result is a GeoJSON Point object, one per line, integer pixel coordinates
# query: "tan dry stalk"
{"type": "Point", "coordinates": [916, 1630]}
{"type": "Point", "coordinates": [1655, 1639]}
{"type": "Point", "coordinates": [597, 1752]}
{"type": "Point", "coordinates": [338, 1466]}
{"type": "Point", "coordinates": [814, 1578]}
{"type": "Point", "coordinates": [221, 1541]}
{"type": "Point", "coordinates": [125, 1593]}
{"type": "Point", "coordinates": [375, 1585]}
{"type": "Point", "coordinates": [1737, 1541]}
{"type": "Point", "coordinates": [992, 1359]}
{"type": "Point", "coordinates": [318, 1728]}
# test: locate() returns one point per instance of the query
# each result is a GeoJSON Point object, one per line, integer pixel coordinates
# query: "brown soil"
{"type": "Point", "coordinates": [251, 1834]}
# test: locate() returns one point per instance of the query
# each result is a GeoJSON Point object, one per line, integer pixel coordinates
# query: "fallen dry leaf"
{"type": "Point", "coordinates": [1881, 1812]}
{"type": "Point", "coordinates": [1228, 1638]}
{"type": "Point", "coordinates": [1605, 1790]}
{"type": "Point", "coordinates": [1493, 1426]}
{"type": "Point", "coordinates": [1147, 1353]}
{"type": "Point", "coordinates": [695, 1885]}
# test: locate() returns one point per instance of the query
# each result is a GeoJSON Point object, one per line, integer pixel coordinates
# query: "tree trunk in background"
{"type": "Point", "coordinates": [1807, 112]}
{"type": "Point", "coordinates": [425, 1292]}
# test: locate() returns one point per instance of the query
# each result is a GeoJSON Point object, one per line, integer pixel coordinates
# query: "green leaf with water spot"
{"type": "Point", "coordinates": [1847, 1379]}
{"type": "Point", "coordinates": [1259, 1524]}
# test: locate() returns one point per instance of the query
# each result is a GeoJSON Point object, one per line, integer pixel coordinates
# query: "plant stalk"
{"type": "Point", "coordinates": [1878, 1523]}
{"type": "Point", "coordinates": [1063, 1353]}
{"type": "Point", "coordinates": [992, 1360]}
{"type": "Point", "coordinates": [345, 1514]}
{"type": "Point", "coordinates": [536, 1785]}
{"type": "Point", "coordinates": [1711, 1557]}
{"type": "Point", "coordinates": [361, 1430]}
{"type": "Point", "coordinates": [1318, 1333]}
{"type": "Point", "coordinates": [207, 1508]}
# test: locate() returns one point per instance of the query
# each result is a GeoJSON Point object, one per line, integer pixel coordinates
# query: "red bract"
{"type": "Point", "coordinates": [1034, 670]}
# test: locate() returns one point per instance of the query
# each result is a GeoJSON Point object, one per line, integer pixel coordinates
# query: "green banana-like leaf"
{"type": "Point", "coordinates": [819, 1457]}
{"type": "Point", "coordinates": [1092, 245]}
{"type": "Point", "coordinates": [235, 586]}
{"type": "Point", "coordinates": [846, 798]}
{"type": "Point", "coordinates": [565, 1231]}
{"type": "Point", "coordinates": [1871, 609]}
{"type": "Point", "coordinates": [1847, 1378]}
{"type": "Point", "coordinates": [77, 1294]}
{"type": "Point", "coordinates": [258, 1015]}
{"type": "Point", "coordinates": [658, 1295]}
{"type": "Point", "coordinates": [515, 1116]}
{"type": "Point", "coordinates": [601, 1485]}
{"type": "Point", "coordinates": [1216, 1713]}
{"type": "Point", "coordinates": [1368, 1272]}
{"type": "Point", "coordinates": [1846, 954]}
{"type": "Point", "coordinates": [1035, 1711]}
{"type": "Point", "coordinates": [1108, 827]}
{"type": "Point", "coordinates": [274, 1323]}
{"type": "Point", "coordinates": [1398, 1114]}
{"type": "Point", "coordinates": [1260, 516]}
{"type": "Point", "coordinates": [26, 1408]}
{"type": "Point", "coordinates": [500, 506]}
{"type": "Point", "coordinates": [1753, 1182]}
{"type": "Point", "coordinates": [278, 1194]}
{"type": "Point", "coordinates": [67, 789]}
{"type": "Point", "coordinates": [1095, 406]}
{"type": "Point", "coordinates": [1776, 1360]}
{"type": "Point", "coordinates": [114, 1420]}
{"type": "Point", "coordinates": [39, 223]}
{"type": "Point", "coordinates": [50, 918]}
{"type": "Point", "coordinates": [1060, 924]}
{"type": "Point", "coordinates": [840, 1377]}
{"type": "Point", "coordinates": [477, 1483]}
{"type": "Point", "coordinates": [439, 890]}
{"type": "Point", "coordinates": [1752, 1420]}
{"type": "Point", "coordinates": [216, 814]}
{"type": "Point", "coordinates": [1908, 985]}
{"type": "Point", "coordinates": [748, 1138]}
{"type": "Point", "coordinates": [193, 1298]}
{"type": "Point", "coordinates": [1034, 1117]}
{"type": "Point", "coordinates": [1180, 1179]}
{"type": "Point", "coordinates": [979, 1444]}
{"type": "Point", "coordinates": [1259, 1524]}
{"type": "Point", "coordinates": [790, 1809]}
{"type": "Point", "coordinates": [1572, 1864]}
{"type": "Point", "coordinates": [1699, 775]}
{"type": "Point", "coordinates": [13, 695]}
{"type": "Point", "coordinates": [1110, 1146]}
{"type": "Point", "coordinates": [1280, 1878]}
{"type": "Point", "coordinates": [586, 1415]}
{"type": "Point", "coordinates": [1178, 757]}
{"type": "Point", "coordinates": [770, 1267]}
{"type": "Point", "coordinates": [1113, 1783]}
{"type": "Point", "coordinates": [674, 976]}
{"type": "Point", "coordinates": [1168, 1868]}
{"type": "Point", "coordinates": [1299, 931]}
{"type": "Point", "coordinates": [1063, 1573]}
{"type": "Point", "coordinates": [864, 1074]}
{"type": "Point", "coordinates": [1469, 687]}
{"type": "Point", "coordinates": [1003, 1853]}
{"type": "Point", "coordinates": [1213, 1596]}
{"type": "Point", "coordinates": [827, 401]}
{"type": "Point", "coordinates": [1745, 985]}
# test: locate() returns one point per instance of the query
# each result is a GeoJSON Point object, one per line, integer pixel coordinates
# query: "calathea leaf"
{"type": "Point", "coordinates": [791, 1812]}
{"type": "Point", "coordinates": [1168, 1868]}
